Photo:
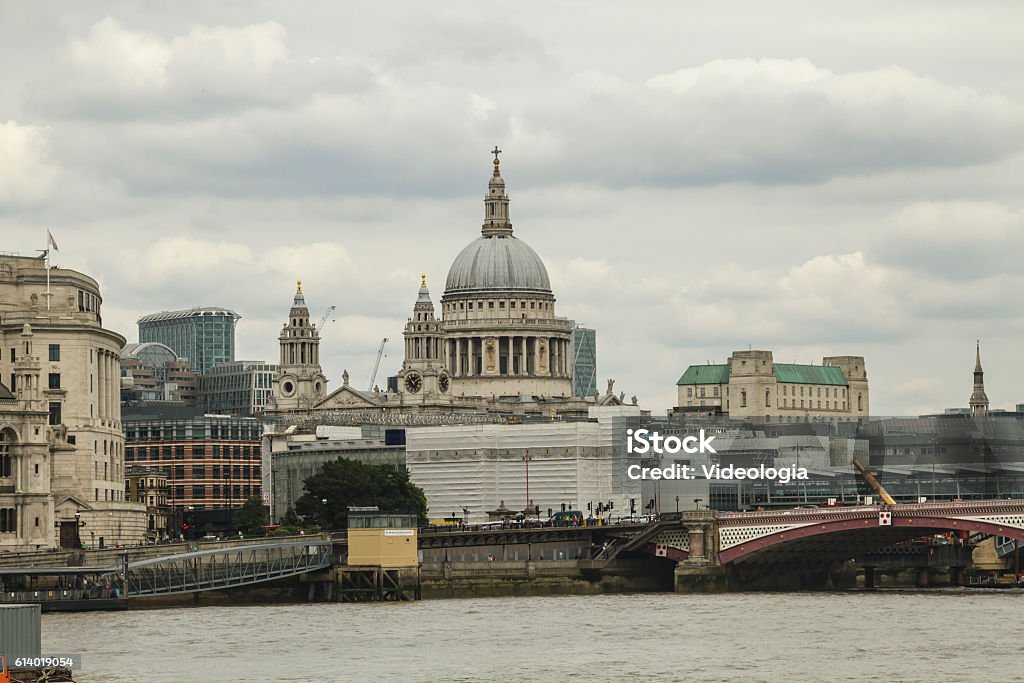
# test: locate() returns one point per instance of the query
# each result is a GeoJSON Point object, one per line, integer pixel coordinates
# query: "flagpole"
{"type": "Point", "coordinates": [47, 270]}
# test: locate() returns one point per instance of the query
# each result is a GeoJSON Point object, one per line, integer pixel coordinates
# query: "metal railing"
{"type": "Point", "coordinates": [224, 568]}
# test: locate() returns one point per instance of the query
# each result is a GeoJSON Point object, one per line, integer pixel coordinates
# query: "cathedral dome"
{"type": "Point", "coordinates": [497, 262]}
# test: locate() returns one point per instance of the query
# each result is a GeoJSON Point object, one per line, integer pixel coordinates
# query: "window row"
{"type": "Point", "coordinates": [195, 451]}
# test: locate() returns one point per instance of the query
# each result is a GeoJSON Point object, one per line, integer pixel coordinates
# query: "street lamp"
{"type": "Point", "coordinates": [677, 505]}
{"type": "Point", "coordinates": [326, 523]}
{"type": "Point", "coordinates": [526, 460]}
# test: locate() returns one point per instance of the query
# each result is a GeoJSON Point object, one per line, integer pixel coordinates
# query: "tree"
{"type": "Point", "coordinates": [251, 519]}
{"type": "Point", "coordinates": [290, 518]}
{"type": "Point", "coordinates": [343, 483]}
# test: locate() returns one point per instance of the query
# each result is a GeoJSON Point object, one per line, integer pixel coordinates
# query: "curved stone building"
{"type": "Point", "coordinates": [58, 358]}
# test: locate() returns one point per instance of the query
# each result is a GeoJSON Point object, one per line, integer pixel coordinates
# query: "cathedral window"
{"type": "Point", "coordinates": [512, 304]}
{"type": "Point", "coordinates": [490, 304]}
{"type": "Point", "coordinates": [716, 391]}
{"type": "Point", "coordinates": [743, 398]}
{"type": "Point", "coordinates": [501, 304]}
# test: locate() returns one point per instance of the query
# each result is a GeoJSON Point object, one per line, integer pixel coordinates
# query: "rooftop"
{"type": "Point", "coordinates": [196, 312]}
{"type": "Point", "coordinates": [789, 373]}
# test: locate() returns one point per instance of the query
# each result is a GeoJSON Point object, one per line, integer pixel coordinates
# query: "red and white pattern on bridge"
{"type": "Point", "coordinates": [744, 533]}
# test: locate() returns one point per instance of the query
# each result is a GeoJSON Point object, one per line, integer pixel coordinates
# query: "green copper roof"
{"type": "Point", "coordinates": [810, 374]}
{"type": "Point", "coordinates": [705, 374]}
{"type": "Point", "coordinates": [784, 372]}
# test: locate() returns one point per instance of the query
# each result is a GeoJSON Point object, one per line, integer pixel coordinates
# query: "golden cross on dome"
{"type": "Point", "coordinates": [496, 152]}
{"type": "Point", "coordinates": [299, 289]}
{"type": "Point", "coordinates": [423, 279]}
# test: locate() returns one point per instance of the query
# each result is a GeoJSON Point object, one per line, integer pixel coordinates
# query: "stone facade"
{"type": "Point", "coordinates": [72, 371]}
{"type": "Point", "coordinates": [752, 385]}
{"type": "Point", "coordinates": [498, 334]}
{"type": "Point", "coordinates": [299, 382]}
{"type": "Point", "coordinates": [26, 504]}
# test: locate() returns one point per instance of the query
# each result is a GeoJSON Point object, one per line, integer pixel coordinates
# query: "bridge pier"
{"type": "Point", "coordinates": [869, 576]}
{"type": "Point", "coordinates": [923, 577]}
{"type": "Point", "coordinates": [956, 576]}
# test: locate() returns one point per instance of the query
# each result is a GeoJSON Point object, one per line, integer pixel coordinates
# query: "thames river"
{"type": "Point", "coordinates": [938, 635]}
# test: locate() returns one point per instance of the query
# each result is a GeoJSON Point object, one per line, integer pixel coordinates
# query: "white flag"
{"type": "Point", "coordinates": [51, 242]}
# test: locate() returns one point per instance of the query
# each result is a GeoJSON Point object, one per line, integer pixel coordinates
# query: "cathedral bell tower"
{"type": "Point", "coordinates": [299, 382]}
{"type": "Point", "coordinates": [423, 372]}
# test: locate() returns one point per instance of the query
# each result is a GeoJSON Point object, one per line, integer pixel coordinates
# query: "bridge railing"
{"type": "Point", "coordinates": [859, 511]}
{"type": "Point", "coordinates": [225, 567]}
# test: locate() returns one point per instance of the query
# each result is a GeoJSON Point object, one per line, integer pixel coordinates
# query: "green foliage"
{"type": "Point", "coordinates": [344, 483]}
{"type": "Point", "coordinates": [251, 518]}
{"type": "Point", "coordinates": [290, 518]}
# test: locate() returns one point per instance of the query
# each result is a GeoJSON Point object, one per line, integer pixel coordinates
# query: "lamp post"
{"type": "Point", "coordinates": [78, 525]}
{"type": "Point", "coordinates": [526, 460]}
{"type": "Point", "coordinates": [935, 447]}
{"type": "Point", "coordinates": [326, 523]}
{"type": "Point", "coordinates": [677, 505]}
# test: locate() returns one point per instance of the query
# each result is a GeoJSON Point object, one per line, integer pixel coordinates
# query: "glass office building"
{"type": "Point", "coordinates": [205, 336]}
{"type": "Point", "coordinates": [583, 354]}
{"type": "Point", "coordinates": [240, 388]}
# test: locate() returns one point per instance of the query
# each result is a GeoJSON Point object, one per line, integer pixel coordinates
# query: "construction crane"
{"type": "Point", "coordinates": [376, 365]}
{"type": "Point", "coordinates": [872, 482]}
{"type": "Point", "coordinates": [323, 320]}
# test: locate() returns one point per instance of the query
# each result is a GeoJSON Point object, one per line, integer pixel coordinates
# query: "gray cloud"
{"type": "Point", "coordinates": [697, 179]}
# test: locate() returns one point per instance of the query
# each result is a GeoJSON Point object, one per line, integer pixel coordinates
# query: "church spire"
{"type": "Point", "coordinates": [979, 400]}
{"type": "Point", "coordinates": [496, 222]}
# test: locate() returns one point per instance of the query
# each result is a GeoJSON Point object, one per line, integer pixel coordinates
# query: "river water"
{"type": "Point", "coordinates": [938, 635]}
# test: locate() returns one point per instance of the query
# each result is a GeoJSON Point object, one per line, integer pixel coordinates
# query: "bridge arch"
{"type": "Point", "coordinates": [862, 531]}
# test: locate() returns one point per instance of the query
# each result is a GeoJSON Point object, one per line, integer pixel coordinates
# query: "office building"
{"type": "Point", "coordinates": [154, 372]}
{"type": "Point", "coordinates": [240, 388]}
{"type": "Point", "coordinates": [751, 384]}
{"type": "Point", "coordinates": [203, 336]}
{"type": "Point", "coordinates": [210, 461]}
{"type": "Point", "coordinates": [583, 360]}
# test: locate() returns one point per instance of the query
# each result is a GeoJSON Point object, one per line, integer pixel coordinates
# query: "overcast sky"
{"type": "Point", "coordinates": [810, 178]}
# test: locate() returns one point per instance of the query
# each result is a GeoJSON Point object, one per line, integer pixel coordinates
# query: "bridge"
{"type": "Point", "coordinates": [221, 568]}
{"type": "Point", "coordinates": [751, 543]}
{"type": "Point", "coordinates": [106, 586]}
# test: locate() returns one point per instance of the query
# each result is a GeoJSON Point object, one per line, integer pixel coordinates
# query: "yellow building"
{"type": "Point", "coordinates": [381, 540]}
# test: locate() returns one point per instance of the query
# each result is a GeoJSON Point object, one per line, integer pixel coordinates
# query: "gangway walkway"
{"type": "Point", "coordinates": [221, 568]}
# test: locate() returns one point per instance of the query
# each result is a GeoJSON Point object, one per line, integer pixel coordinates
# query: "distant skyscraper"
{"type": "Point", "coordinates": [583, 360]}
{"type": "Point", "coordinates": [205, 336]}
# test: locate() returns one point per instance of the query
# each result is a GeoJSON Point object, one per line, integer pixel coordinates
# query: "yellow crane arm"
{"type": "Point", "coordinates": [872, 482]}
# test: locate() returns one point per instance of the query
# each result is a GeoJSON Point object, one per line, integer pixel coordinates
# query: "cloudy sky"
{"type": "Point", "coordinates": [810, 178]}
